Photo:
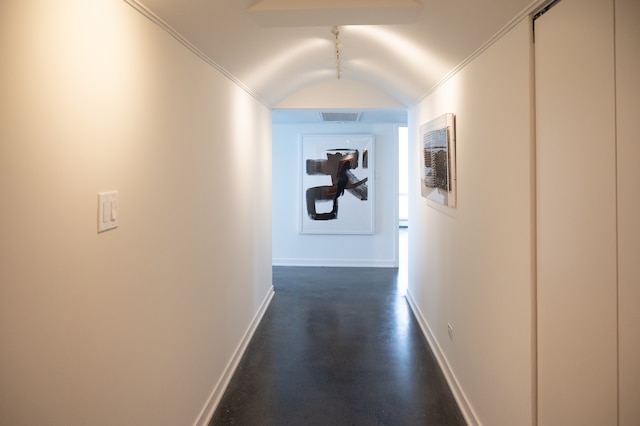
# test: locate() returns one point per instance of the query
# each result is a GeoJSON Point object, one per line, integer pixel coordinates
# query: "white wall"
{"type": "Point", "coordinates": [473, 266]}
{"type": "Point", "coordinates": [292, 248]}
{"type": "Point", "coordinates": [476, 267]}
{"type": "Point", "coordinates": [136, 325]}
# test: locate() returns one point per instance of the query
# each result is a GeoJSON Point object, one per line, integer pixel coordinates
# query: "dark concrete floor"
{"type": "Point", "coordinates": [337, 346]}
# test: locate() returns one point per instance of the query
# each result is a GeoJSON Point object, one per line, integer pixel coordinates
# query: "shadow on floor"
{"type": "Point", "coordinates": [337, 346]}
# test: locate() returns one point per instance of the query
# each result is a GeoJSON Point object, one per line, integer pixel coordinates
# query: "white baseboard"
{"type": "Point", "coordinates": [216, 395]}
{"type": "Point", "coordinates": [336, 263]}
{"type": "Point", "coordinates": [463, 403]}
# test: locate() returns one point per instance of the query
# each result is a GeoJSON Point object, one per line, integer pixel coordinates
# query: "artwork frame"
{"type": "Point", "coordinates": [337, 185]}
{"type": "Point", "coordinates": [438, 178]}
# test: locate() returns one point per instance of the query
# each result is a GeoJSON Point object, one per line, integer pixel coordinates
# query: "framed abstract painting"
{"type": "Point", "coordinates": [438, 180]}
{"type": "Point", "coordinates": [337, 184]}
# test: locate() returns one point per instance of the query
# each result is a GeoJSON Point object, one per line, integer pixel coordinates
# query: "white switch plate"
{"type": "Point", "coordinates": [107, 210]}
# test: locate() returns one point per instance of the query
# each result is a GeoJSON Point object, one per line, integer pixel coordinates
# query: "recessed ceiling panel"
{"type": "Point", "coordinates": [288, 13]}
{"type": "Point", "coordinates": [340, 117]}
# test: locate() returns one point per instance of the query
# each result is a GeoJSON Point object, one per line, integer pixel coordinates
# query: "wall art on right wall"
{"type": "Point", "coordinates": [438, 181]}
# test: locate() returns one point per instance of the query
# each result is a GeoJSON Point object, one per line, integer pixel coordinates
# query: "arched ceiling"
{"type": "Point", "coordinates": [399, 49]}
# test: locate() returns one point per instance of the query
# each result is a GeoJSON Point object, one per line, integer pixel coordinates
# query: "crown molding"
{"type": "Point", "coordinates": [527, 13]}
{"type": "Point", "coordinates": [186, 43]}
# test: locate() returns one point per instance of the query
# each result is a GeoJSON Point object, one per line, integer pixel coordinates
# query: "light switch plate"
{"type": "Point", "coordinates": [107, 210]}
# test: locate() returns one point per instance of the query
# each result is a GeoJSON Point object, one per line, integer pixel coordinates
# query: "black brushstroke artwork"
{"type": "Point", "coordinates": [338, 165]}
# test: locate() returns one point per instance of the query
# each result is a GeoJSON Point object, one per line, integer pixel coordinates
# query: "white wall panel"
{"type": "Point", "coordinates": [576, 228]}
{"type": "Point", "coordinates": [628, 132]}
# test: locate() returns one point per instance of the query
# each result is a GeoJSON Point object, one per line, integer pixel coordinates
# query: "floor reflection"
{"type": "Point", "coordinates": [338, 346]}
{"type": "Point", "coordinates": [403, 256]}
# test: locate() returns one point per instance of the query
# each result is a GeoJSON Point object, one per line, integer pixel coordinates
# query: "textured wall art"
{"type": "Point", "coordinates": [337, 184]}
{"type": "Point", "coordinates": [438, 181]}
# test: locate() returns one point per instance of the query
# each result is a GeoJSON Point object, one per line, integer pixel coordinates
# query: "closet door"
{"type": "Point", "coordinates": [576, 214]}
{"type": "Point", "coordinates": [628, 138]}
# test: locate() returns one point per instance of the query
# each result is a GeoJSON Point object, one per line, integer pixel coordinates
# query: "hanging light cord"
{"type": "Point", "coordinates": [336, 34]}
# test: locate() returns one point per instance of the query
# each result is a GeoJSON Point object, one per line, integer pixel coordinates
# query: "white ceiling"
{"type": "Point", "coordinates": [277, 48]}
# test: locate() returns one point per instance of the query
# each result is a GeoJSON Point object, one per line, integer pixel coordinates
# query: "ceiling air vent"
{"type": "Point", "coordinates": [340, 117]}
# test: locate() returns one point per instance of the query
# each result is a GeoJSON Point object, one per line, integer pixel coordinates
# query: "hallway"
{"type": "Point", "coordinates": [337, 346]}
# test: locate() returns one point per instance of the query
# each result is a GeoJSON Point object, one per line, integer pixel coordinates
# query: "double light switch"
{"type": "Point", "coordinates": [107, 210]}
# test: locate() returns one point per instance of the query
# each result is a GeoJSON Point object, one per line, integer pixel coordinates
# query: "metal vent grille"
{"type": "Point", "coordinates": [340, 116]}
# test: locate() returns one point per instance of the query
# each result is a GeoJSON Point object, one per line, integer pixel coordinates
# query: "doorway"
{"type": "Point", "coordinates": [403, 206]}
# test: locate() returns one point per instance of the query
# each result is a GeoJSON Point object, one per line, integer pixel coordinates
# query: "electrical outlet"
{"type": "Point", "coordinates": [450, 331]}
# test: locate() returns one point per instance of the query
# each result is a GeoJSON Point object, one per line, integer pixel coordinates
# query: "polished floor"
{"type": "Point", "coordinates": [337, 346]}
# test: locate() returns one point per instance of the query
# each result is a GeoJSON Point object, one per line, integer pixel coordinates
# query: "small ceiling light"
{"type": "Point", "coordinates": [336, 34]}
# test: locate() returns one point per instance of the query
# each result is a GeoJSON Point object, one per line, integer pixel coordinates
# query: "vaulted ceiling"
{"type": "Point", "coordinates": [399, 49]}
